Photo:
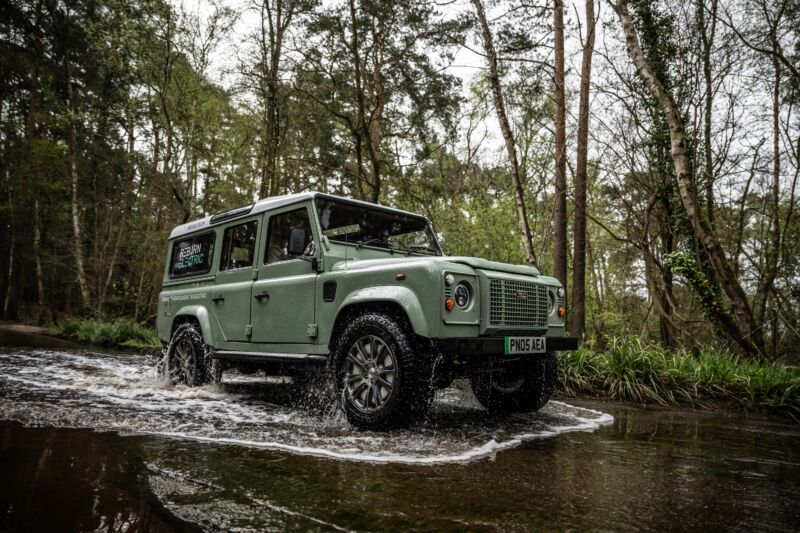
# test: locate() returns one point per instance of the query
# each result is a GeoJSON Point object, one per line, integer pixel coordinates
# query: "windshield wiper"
{"type": "Point", "coordinates": [375, 242]}
{"type": "Point", "coordinates": [419, 249]}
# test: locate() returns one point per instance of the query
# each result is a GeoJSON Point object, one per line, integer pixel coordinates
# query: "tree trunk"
{"type": "Point", "coordinates": [707, 41]}
{"type": "Point", "coordinates": [560, 213]}
{"type": "Point", "coordinates": [743, 328]}
{"type": "Point", "coordinates": [772, 251]}
{"type": "Point", "coordinates": [8, 300]}
{"type": "Point", "coordinates": [666, 320]}
{"type": "Point", "coordinates": [37, 258]}
{"type": "Point", "coordinates": [274, 21]}
{"type": "Point", "coordinates": [363, 122]}
{"type": "Point", "coordinates": [505, 127]}
{"type": "Point", "coordinates": [77, 239]}
{"type": "Point", "coordinates": [578, 304]}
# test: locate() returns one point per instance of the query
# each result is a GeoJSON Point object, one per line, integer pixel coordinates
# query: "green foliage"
{"type": "Point", "coordinates": [117, 334]}
{"type": "Point", "coordinates": [684, 264]}
{"type": "Point", "coordinates": [631, 370]}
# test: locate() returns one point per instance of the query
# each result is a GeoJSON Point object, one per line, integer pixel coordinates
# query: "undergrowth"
{"type": "Point", "coordinates": [630, 370]}
{"type": "Point", "coordinates": [119, 333]}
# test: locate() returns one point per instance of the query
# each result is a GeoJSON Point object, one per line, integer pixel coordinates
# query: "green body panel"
{"type": "Point", "coordinates": [295, 318]}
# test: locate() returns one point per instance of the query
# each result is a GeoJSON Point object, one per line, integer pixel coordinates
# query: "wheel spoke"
{"type": "Point", "coordinates": [361, 355]}
{"type": "Point", "coordinates": [357, 391]}
{"type": "Point", "coordinates": [385, 383]}
{"type": "Point", "coordinates": [373, 394]}
{"type": "Point", "coordinates": [355, 361]}
{"type": "Point", "coordinates": [373, 351]}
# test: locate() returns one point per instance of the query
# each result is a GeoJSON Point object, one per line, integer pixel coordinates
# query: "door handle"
{"type": "Point", "coordinates": [218, 299]}
{"type": "Point", "coordinates": [261, 295]}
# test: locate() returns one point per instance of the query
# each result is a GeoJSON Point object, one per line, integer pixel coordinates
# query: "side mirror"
{"type": "Point", "coordinates": [297, 241]}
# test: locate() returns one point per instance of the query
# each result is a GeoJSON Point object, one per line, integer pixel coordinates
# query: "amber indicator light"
{"type": "Point", "coordinates": [400, 276]}
{"type": "Point", "coordinates": [449, 304]}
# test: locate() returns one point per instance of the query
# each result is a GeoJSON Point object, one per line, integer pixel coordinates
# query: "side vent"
{"type": "Point", "coordinates": [329, 291]}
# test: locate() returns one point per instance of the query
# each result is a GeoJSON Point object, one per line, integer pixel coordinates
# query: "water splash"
{"type": "Point", "coordinates": [121, 392]}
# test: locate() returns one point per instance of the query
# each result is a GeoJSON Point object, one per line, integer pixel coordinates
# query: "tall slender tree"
{"type": "Point", "coordinates": [578, 300]}
{"type": "Point", "coordinates": [559, 96]}
{"type": "Point", "coordinates": [505, 128]}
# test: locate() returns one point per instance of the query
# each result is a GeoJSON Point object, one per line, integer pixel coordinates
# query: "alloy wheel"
{"type": "Point", "coordinates": [182, 366]}
{"type": "Point", "coordinates": [370, 373]}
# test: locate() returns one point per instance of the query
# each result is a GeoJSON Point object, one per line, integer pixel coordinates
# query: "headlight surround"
{"type": "Point", "coordinates": [462, 295]}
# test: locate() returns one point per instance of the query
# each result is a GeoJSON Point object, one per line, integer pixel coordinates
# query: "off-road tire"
{"type": "Point", "coordinates": [188, 360]}
{"type": "Point", "coordinates": [412, 388]}
{"type": "Point", "coordinates": [524, 386]}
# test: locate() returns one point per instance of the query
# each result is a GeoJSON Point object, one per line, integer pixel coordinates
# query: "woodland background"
{"type": "Point", "coordinates": [644, 152]}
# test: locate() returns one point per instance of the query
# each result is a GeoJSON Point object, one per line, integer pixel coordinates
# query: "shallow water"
{"type": "Point", "coordinates": [251, 455]}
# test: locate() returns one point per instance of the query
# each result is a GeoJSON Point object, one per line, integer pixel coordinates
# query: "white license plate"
{"type": "Point", "coordinates": [515, 345]}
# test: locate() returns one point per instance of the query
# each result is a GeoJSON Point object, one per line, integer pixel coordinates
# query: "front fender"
{"type": "Point", "coordinates": [201, 314]}
{"type": "Point", "coordinates": [403, 296]}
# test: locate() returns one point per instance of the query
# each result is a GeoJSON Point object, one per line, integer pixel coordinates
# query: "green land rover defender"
{"type": "Point", "coordinates": [364, 294]}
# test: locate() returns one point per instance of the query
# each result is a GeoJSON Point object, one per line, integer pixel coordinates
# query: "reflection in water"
{"type": "Point", "coordinates": [221, 466]}
{"type": "Point", "coordinates": [64, 480]}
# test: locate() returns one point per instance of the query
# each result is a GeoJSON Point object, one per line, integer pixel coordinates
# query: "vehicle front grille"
{"type": "Point", "coordinates": [517, 303]}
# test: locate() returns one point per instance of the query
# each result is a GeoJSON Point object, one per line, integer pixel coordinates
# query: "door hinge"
{"type": "Point", "coordinates": [312, 330]}
{"type": "Point", "coordinates": [248, 330]}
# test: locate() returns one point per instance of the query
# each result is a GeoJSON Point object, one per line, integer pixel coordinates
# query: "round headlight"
{"type": "Point", "coordinates": [449, 279]}
{"type": "Point", "coordinates": [560, 292]}
{"type": "Point", "coordinates": [462, 295]}
{"type": "Point", "coordinates": [551, 297]}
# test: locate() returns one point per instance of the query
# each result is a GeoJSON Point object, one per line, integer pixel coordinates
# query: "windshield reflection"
{"type": "Point", "coordinates": [351, 223]}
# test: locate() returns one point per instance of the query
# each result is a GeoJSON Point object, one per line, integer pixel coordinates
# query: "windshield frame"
{"type": "Point", "coordinates": [367, 206]}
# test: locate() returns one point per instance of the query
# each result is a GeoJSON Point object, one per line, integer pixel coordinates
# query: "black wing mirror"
{"type": "Point", "coordinates": [297, 241]}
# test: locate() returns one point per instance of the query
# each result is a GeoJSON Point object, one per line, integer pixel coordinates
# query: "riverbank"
{"type": "Point", "coordinates": [632, 371]}
{"type": "Point", "coordinates": [120, 333]}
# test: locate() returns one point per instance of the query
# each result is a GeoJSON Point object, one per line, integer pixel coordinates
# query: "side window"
{"type": "Point", "coordinates": [192, 255]}
{"type": "Point", "coordinates": [238, 246]}
{"type": "Point", "coordinates": [278, 242]}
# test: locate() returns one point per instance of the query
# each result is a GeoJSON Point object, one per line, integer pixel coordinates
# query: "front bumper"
{"type": "Point", "coordinates": [496, 345]}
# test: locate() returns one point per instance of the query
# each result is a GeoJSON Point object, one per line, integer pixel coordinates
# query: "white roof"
{"type": "Point", "coordinates": [267, 204]}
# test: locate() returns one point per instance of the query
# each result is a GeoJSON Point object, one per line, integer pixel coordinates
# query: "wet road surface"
{"type": "Point", "coordinates": [94, 441]}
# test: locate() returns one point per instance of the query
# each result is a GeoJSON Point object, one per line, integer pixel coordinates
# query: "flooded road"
{"type": "Point", "coordinates": [94, 441]}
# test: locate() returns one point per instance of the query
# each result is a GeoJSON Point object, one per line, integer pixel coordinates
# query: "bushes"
{"type": "Point", "coordinates": [119, 333]}
{"type": "Point", "coordinates": [632, 371]}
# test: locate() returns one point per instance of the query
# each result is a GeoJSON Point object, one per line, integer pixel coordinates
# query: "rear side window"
{"type": "Point", "coordinates": [192, 255]}
{"type": "Point", "coordinates": [238, 246]}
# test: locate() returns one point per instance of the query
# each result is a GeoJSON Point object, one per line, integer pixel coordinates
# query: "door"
{"type": "Point", "coordinates": [283, 295]}
{"type": "Point", "coordinates": [230, 298]}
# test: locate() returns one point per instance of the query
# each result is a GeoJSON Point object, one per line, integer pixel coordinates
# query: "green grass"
{"type": "Point", "coordinates": [630, 370]}
{"type": "Point", "coordinates": [117, 334]}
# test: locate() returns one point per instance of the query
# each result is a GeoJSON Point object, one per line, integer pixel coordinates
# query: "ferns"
{"type": "Point", "coordinates": [119, 333]}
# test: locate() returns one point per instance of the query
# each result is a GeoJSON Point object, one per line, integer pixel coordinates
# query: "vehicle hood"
{"type": "Point", "coordinates": [484, 264]}
{"type": "Point", "coordinates": [474, 262]}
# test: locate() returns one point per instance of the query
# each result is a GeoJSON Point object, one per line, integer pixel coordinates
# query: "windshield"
{"type": "Point", "coordinates": [351, 223]}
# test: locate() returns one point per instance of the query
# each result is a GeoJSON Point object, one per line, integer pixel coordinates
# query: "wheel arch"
{"type": "Point", "coordinates": [196, 314]}
{"type": "Point", "coordinates": [399, 302]}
